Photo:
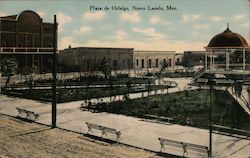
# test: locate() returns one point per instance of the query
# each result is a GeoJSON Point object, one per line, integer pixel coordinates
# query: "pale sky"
{"type": "Point", "coordinates": [190, 27]}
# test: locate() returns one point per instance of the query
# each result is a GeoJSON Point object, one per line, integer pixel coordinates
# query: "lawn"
{"type": "Point", "coordinates": [185, 108]}
{"type": "Point", "coordinates": [74, 94]}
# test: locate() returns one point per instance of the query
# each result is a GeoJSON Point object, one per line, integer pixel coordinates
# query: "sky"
{"type": "Point", "coordinates": [188, 27]}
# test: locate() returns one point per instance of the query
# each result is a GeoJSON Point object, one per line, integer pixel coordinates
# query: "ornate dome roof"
{"type": "Point", "coordinates": [228, 39]}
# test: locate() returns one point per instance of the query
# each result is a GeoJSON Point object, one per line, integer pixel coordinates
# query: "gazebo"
{"type": "Point", "coordinates": [227, 66]}
{"type": "Point", "coordinates": [227, 53]}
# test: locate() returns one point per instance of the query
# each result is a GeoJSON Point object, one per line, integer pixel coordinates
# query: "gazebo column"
{"type": "Point", "coordinates": [244, 59]}
{"type": "Point", "coordinates": [227, 59]}
{"type": "Point", "coordinates": [211, 60]}
{"type": "Point", "coordinates": [206, 60]}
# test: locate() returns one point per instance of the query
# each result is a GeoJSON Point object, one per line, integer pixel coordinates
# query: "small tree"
{"type": "Point", "coordinates": [110, 88]}
{"type": "Point", "coordinates": [105, 68]}
{"type": "Point", "coordinates": [128, 85]}
{"type": "Point", "coordinates": [188, 62]}
{"type": "Point", "coordinates": [8, 68]}
{"type": "Point", "coordinates": [148, 86]}
{"type": "Point", "coordinates": [164, 67]}
{"type": "Point", "coordinates": [29, 73]}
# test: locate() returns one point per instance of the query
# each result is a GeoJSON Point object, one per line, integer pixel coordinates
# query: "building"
{"type": "Point", "coordinates": [120, 60]}
{"type": "Point", "coordinates": [28, 39]}
{"type": "Point", "coordinates": [90, 58]}
{"type": "Point", "coordinates": [197, 57]}
{"type": "Point", "coordinates": [154, 61]}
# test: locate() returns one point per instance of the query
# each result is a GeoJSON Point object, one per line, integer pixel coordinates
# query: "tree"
{"type": "Point", "coordinates": [110, 88]}
{"type": "Point", "coordinates": [164, 67]}
{"type": "Point", "coordinates": [29, 73]}
{"type": "Point", "coordinates": [8, 68]}
{"type": "Point", "coordinates": [188, 62]}
{"type": "Point", "coordinates": [128, 85]}
{"type": "Point", "coordinates": [105, 68]}
{"type": "Point", "coordinates": [148, 86]}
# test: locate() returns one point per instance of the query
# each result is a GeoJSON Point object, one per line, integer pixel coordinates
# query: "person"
{"type": "Point", "coordinates": [89, 105]}
{"type": "Point", "coordinates": [189, 121]}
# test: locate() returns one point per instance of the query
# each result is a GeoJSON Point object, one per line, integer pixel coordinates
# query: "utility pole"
{"type": "Point", "coordinates": [54, 75]}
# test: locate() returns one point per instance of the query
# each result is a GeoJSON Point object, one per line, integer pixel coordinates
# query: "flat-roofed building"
{"type": "Point", "coordinates": [90, 58]}
{"type": "Point", "coordinates": [120, 60]}
{"type": "Point", "coordinates": [154, 61]}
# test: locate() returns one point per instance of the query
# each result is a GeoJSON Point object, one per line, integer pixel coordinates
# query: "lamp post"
{"type": "Point", "coordinates": [54, 75]}
{"type": "Point", "coordinates": [210, 115]}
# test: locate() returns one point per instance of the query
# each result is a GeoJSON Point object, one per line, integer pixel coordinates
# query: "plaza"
{"type": "Point", "coordinates": [91, 76]}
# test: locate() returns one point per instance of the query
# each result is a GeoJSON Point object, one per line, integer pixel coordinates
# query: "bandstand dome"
{"type": "Point", "coordinates": [227, 39]}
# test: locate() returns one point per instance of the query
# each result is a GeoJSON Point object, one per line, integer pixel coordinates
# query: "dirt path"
{"type": "Point", "coordinates": [24, 140]}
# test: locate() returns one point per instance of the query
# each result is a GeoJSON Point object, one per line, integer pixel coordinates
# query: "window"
{"type": "Point", "coordinates": [50, 63]}
{"type": "Point", "coordinates": [115, 64]}
{"type": "Point", "coordinates": [149, 63]}
{"type": "Point", "coordinates": [88, 65]}
{"type": "Point", "coordinates": [129, 64]}
{"type": "Point", "coordinates": [124, 62]}
{"type": "Point", "coordinates": [170, 63]}
{"type": "Point", "coordinates": [178, 60]}
{"type": "Point", "coordinates": [142, 63]}
{"type": "Point", "coordinates": [4, 43]}
{"type": "Point", "coordinates": [137, 62]}
{"type": "Point", "coordinates": [156, 63]}
{"type": "Point", "coordinates": [20, 44]}
{"type": "Point", "coordinates": [36, 63]}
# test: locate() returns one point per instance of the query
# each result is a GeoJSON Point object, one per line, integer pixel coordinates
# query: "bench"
{"type": "Point", "coordinates": [104, 130]}
{"type": "Point", "coordinates": [161, 118]}
{"type": "Point", "coordinates": [26, 114]}
{"type": "Point", "coordinates": [185, 146]}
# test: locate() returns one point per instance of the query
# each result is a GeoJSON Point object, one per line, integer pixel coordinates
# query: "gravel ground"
{"type": "Point", "coordinates": [24, 140]}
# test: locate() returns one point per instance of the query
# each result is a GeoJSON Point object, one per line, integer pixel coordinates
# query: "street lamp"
{"type": "Point", "coordinates": [210, 81]}
{"type": "Point", "coordinates": [54, 75]}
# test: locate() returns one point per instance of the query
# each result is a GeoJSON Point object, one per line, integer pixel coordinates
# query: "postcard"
{"type": "Point", "coordinates": [125, 78]}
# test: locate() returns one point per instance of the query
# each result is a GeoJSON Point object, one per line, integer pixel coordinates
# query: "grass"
{"type": "Point", "coordinates": [74, 94]}
{"type": "Point", "coordinates": [185, 108]}
{"type": "Point", "coordinates": [192, 109]}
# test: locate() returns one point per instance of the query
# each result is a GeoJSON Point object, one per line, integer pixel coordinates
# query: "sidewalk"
{"type": "Point", "coordinates": [21, 139]}
{"type": "Point", "coordinates": [135, 131]}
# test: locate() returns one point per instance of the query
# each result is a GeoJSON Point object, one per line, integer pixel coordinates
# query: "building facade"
{"type": "Point", "coordinates": [154, 61]}
{"type": "Point", "coordinates": [91, 59]}
{"type": "Point", "coordinates": [120, 60]}
{"type": "Point", "coordinates": [28, 39]}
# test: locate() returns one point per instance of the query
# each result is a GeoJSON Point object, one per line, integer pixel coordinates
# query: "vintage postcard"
{"type": "Point", "coordinates": [125, 78]}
